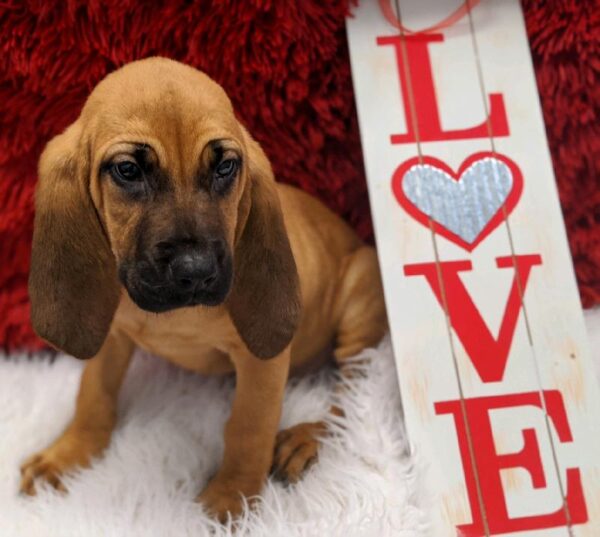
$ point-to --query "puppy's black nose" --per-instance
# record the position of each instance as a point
(193, 269)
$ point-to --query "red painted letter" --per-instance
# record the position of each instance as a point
(489, 463)
(488, 355)
(423, 94)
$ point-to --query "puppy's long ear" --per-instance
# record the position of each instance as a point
(265, 299)
(73, 281)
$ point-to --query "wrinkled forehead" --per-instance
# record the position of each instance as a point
(172, 107)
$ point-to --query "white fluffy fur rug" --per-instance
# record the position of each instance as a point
(169, 441)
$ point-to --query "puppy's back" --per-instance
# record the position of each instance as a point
(310, 224)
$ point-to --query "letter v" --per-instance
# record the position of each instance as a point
(488, 355)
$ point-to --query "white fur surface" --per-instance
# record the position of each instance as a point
(169, 441)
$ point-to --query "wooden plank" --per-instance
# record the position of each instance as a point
(553, 307)
(436, 365)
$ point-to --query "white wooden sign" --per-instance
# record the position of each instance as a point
(498, 387)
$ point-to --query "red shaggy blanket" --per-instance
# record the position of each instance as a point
(285, 65)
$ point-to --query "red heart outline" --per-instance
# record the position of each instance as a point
(510, 202)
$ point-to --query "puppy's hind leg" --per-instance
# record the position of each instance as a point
(89, 432)
(362, 322)
(360, 307)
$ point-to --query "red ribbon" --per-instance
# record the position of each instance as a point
(453, 18)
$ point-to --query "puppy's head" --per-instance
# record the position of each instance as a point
(157, 189)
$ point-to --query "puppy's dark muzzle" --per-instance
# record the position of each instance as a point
(179, 274)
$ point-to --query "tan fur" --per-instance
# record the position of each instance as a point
(289, 309)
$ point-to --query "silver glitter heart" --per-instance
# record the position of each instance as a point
(463, 207)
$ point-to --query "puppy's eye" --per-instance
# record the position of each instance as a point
(224, 175)
(227, 167)
(127, 171)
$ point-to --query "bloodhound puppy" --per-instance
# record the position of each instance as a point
(159, 225)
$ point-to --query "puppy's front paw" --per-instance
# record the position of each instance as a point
(225, 496)
(70, 451)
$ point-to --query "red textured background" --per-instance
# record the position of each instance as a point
(285, 66)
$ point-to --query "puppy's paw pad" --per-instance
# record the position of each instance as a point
(296, 449)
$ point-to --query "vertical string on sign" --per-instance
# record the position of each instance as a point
(470, 4)
(411, 102)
